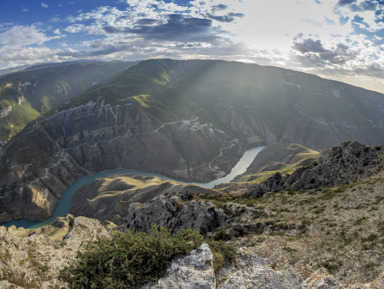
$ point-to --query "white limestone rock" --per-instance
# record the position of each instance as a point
(253, 271)
(194, 271)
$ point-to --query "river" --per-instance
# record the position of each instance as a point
(64, 204)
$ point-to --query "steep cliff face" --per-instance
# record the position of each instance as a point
(188, 119)
(54, 151)
(26, 94)
(348, 162)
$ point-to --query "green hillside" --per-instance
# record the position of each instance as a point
(262, 98)
(283, 158)
(26, 94)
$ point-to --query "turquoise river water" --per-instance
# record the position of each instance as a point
(64, 204)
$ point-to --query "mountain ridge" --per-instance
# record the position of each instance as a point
(188, 119)
(43, 87)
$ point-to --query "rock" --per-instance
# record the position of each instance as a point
(349, 162)
(321, 280)
(378, 283)
(109, 198)
(32, 258)
(7, 285)
(194, 271)
(95, 137)
(171, 212)
(252, 271)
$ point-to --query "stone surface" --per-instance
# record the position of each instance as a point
(173, 212)
(194, 271)
(378, 283)
(321, 280)
(346, 163)
(96, 137)
(253, 271)
(33, 258)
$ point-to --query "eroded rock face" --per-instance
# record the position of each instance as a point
(33, 258)
(172, 212)
(346, 163)
(37, 166)
(253, 271)
(321, 279)
(194, 271)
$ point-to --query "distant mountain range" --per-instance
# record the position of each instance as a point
(188, 119)
(26, 94)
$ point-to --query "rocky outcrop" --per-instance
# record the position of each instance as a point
(110, 198)
(321, 279)
(174, 212)
(33, 258)
(346, 163)
(191, 272)
(252, 271)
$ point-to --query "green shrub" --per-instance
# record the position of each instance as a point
(223, 254)
(128, 260)
(221, 235)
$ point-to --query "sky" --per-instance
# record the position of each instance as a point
(336, 39)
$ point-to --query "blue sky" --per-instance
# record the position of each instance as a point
(338, 39)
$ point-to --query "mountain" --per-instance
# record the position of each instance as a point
(278, 157)
(26, 94)
(328, 235)
(349, 162)
(188, 119)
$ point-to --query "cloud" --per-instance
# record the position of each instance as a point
(44, 5)
(313, 53)
(219, 7)
(230, 17)
(21, 36)
(176, 27)
(24, 9)
(367, 5)
(345, 2)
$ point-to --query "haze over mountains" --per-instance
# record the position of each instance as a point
(188, 119)
(26, 94)
(193, 120)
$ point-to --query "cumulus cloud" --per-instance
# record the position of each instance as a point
(313, 54)
(362, 6)
(44, 5)
(20, 36)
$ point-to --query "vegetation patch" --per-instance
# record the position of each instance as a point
(223, 254)
(129, 260)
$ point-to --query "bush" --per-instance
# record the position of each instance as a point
(223, 254)
(128, 260)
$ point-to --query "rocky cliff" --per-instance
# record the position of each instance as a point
(348, 162)
(53, 152)
(26, 94)
(188, 119)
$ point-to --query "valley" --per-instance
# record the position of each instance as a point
(174, 118)
(303, 201)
